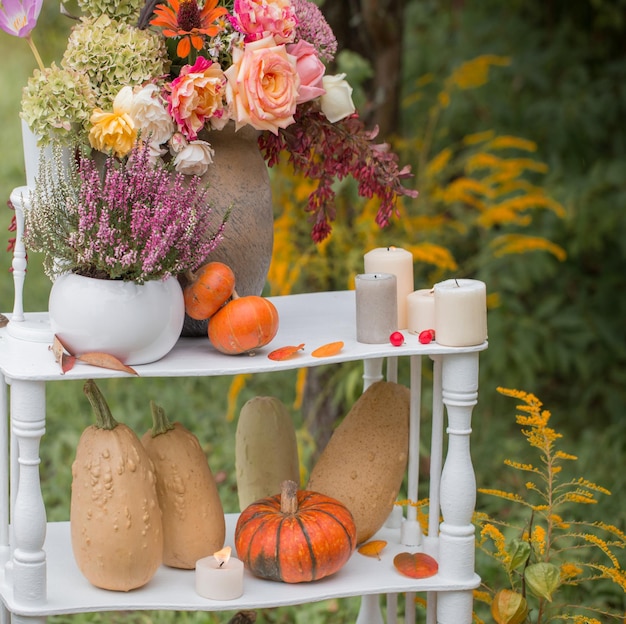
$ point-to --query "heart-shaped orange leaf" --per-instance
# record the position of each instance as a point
(415, 565)
(332, 348)
(284, 353)
(372, 548)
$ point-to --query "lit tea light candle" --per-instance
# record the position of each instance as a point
(376, 307)
(420, 306)
(220, 576)
(398, 262)
(460, 312)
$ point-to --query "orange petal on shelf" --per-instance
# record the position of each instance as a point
(372, 548)
(332, 348)
(415, 565)
(105, 360)
(284, 353)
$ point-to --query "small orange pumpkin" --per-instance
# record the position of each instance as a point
(295, 536)
(243, 324)
(208, 289)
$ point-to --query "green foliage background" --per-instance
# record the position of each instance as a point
(559, 329)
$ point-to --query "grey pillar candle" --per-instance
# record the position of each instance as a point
(376, 307)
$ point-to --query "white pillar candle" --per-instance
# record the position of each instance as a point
(220, 576)
(398, 262)
(420, 308)
(460, 312)
(376, 307)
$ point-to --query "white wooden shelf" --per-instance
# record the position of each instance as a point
(38, 575)
(172, 589)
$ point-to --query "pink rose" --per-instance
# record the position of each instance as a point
(259, 18)
(263, 85)
(197, 95)
(310, 70)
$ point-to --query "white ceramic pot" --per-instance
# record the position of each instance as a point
(136, 323)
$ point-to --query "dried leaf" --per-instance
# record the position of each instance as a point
(415, 565)
(65, 360)
(57, 349)
(372, 548)
(105, 360)
(332, 348)
(284, 353)
(509, 607)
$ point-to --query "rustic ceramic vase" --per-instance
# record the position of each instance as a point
(238, 179)
(137, 323)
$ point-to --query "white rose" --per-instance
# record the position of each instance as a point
(150, 115)
(194, 158)
(337, 102)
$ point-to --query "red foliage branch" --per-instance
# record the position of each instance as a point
(326, 151)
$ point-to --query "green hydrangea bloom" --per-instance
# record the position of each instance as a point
(121, 10)
(57, 104)
(114, 54)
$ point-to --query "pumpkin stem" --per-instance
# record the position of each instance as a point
(104, 418)
(160, 423)
(235, 295)
(289, 497)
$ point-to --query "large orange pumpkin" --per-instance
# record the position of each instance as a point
(208, 289)
(295, 536)
(243, 324)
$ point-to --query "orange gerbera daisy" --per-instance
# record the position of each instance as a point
(185, 19)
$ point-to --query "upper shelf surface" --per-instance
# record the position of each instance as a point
(313, 319)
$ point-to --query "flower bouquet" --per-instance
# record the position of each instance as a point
(169, 74)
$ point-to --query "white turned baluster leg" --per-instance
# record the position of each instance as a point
(458, 488)
(369, 611)
(28, 405)
(411, 532)
(431, 541)
(392, 608)
(372, 372)
(4, 474)
(18, 198)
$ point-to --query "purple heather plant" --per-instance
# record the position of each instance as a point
(131, 220)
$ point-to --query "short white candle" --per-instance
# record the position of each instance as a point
(219, 576)
(376, 307)
(460, 312)
(398, 262)
(420, 306)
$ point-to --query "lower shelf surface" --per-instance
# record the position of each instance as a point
(170, 589)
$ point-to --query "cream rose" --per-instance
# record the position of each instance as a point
(337, 102)
(263, 85)
(194, 158)
(115, 131)
(150, 115)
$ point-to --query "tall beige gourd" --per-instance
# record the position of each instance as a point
(365, 460)
(193, 517)
(115, 519)
(266, 449)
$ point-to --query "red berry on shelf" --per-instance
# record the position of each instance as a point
(426, 336)
(396, 339)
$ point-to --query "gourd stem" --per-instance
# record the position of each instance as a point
(160, 423)
(104, 418)
(289, 497)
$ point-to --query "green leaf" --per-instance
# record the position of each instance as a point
(519, 551)
(542, 579)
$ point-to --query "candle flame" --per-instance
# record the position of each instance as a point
(222, 556)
